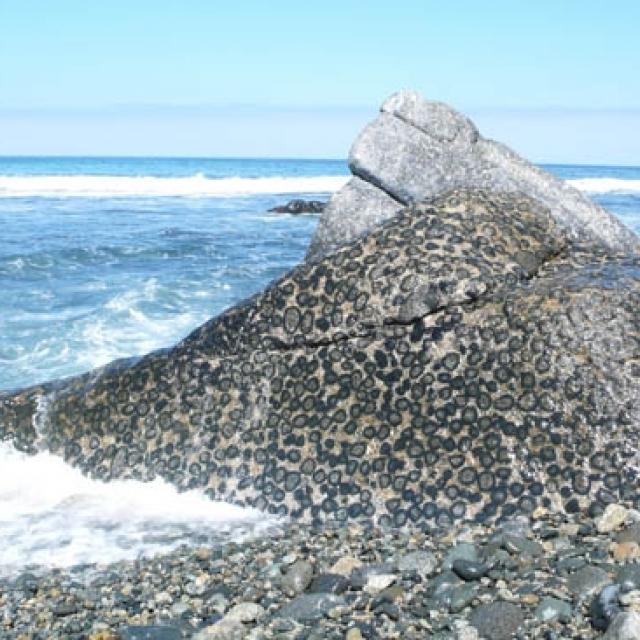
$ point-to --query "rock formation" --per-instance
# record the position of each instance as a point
(417, 149)
(298, 206)
(465, 359)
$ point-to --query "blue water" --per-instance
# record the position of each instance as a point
(110, 257)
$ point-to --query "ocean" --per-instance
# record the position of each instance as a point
(103, 258)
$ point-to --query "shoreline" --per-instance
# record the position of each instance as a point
(523, 578)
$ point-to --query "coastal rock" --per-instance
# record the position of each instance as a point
(417, 149)
(464, 360)
(298, 206)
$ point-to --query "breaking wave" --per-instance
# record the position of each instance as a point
(197, 186)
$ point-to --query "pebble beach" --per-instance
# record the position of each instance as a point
(548, 577)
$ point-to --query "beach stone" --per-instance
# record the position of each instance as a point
(297, 578)
(469, 569)
(549, 609)
(424, 563)
(225, 629)
(605, 606)
(628, 576)
(353, 634)
(361, 575)
(310, 606)
(376, 582)
(614, 516)
(623, 551)
(587, 581)
(149, 632)
(417, 148)
(463, 551)
(497, 620)
(328, 583)
(345, 566)
(625, 626)
(629, 534)
(245, 612)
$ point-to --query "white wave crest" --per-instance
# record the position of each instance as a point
(606, 185)
(89, 186)
(52, 515)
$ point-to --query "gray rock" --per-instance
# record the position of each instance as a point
(586, 581)
(549, 609)
(373, 207)
(360, 576)
(605, 606)
(625, 626)
(469, 569)
(629, 576)
(328, 583)
(297, 577)
(149, 632)
(497, 620)
(418, 148)
(462, 551)
(245, 612)
(310, 606)
(424, 563)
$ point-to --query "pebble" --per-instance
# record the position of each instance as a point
(625, 626)
(497, 620)
(245, 612)
(423, 563)
(553, 609)
(614, 516)
(297, 578)
(587, 581)
(469, 569)
(311, 606)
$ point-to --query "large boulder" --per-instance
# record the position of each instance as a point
(416, 149)
(465, 359)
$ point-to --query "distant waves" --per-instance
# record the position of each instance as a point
(199, 185)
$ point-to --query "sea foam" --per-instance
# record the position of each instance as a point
(92, 186)
(606, 185)
(200, 186)
(53, 516)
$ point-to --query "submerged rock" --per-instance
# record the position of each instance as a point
(298, 206)
(416, 149)
(464, 360)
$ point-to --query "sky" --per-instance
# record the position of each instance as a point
(557, 80)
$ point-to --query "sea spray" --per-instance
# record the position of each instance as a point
(51, 515)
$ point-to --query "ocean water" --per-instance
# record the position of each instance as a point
(104, 258)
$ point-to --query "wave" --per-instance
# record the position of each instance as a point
(606, 185)
(92, 186)
(52, 515)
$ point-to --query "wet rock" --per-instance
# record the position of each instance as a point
(628, 576)
(298, 206)
(226, 629)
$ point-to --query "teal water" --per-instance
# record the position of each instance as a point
(104, 258)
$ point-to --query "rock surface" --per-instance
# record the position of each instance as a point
(464, 360)
(298, 206)
(417, 149)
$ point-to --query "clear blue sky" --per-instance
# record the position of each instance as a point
(556, 79)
